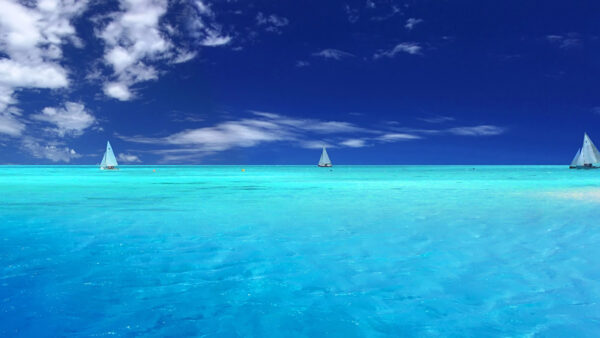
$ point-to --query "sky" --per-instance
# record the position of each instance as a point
(271, 82)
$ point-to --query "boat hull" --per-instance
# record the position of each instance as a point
(583, 167)
(324, 166)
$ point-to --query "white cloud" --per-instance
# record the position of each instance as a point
(53, 151)
(404, 47)
(331, 53)
(262, 128)
(72, 119)
(567, 41)
(354, 143)
(301, 64)
(31, 39)
(481, 130)
(214, 39)
(133, 40)
(351, 14)
(129, 158)
(10, 124)
(393, 137)
(118, 90)
(412, 22)
(272, 23)
(436, 119)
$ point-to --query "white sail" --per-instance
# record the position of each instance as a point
(103, 163)
(589, 152)
(324, 160)
(578, 161)
(109, 159)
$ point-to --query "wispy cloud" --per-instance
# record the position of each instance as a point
(354, 143)
(301, 64)
(411, 48)
(352, 14)
(412, 22)
(272, 23)
(436, 119)
(334, 54)
(567, 41)
(128, 158)
(481, 130)
(264, 127)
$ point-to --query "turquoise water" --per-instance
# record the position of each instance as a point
(296, 251)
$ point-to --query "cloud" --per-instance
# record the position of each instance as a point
(72, 119)
(128, 158)
(301, 64)
(53, 151)
(568, 41)
(272, 23)
(214, 39)
(405, 47)
(354, 143)
(335, 54)
(394, 137)
(261, 127)
(481, 130)
(203, 27)
(412, 22)
(351, 14)
(436, 119)
(133, 40)
(31, 38)
(10, 124)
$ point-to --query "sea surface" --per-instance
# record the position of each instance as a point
(299, 251)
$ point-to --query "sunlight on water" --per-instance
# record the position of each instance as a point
(299, 251)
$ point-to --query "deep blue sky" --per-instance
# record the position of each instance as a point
(269, 82)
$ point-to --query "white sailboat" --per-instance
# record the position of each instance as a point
(109, 162)
(324, 161)
(587, 156)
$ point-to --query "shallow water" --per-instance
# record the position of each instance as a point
(292, 251)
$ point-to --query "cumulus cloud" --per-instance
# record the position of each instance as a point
(53, 151)
(31, 38)
(412, 22)
(133, 40)
(72, 119)
(404, 47)
(331, 53)
(129, 158)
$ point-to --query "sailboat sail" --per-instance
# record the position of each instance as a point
(324, 160)
(587, 155)
(103, 163)
(109, 160)
(590, 151)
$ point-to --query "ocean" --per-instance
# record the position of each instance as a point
(299, 251)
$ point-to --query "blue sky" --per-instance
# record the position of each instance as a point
(270, 82)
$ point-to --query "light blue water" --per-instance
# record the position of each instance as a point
(299, 251)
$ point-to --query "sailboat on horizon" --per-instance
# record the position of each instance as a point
(109, 162)
(586, 156)
(324, 161)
